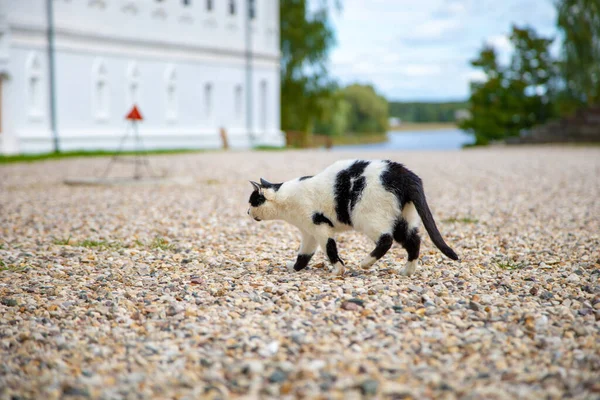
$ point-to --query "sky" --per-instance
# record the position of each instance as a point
(420, 49)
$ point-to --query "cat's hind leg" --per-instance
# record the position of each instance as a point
(307, 250)
(408, 237)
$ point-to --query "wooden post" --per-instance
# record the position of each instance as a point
(328, 142)
(223, 133)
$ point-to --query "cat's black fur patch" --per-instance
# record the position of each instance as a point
(256, 199)
(268, 185)
(348, 187)
(383, 245)
(319, 218)
(408, 187)
(302, 261)
(358, 186)
(303, 178)
(332, 252)
(400, 181)
(409, 239)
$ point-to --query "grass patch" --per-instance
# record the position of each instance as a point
(63, 241)
(100, 244)
(12, 267)
(93, 243)
(269, 148)
(88, 243)
(162, 244)
(509, 265)
(463, 220)
(99, 153)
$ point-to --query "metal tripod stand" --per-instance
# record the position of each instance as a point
(140, 156)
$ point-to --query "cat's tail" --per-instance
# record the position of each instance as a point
(418, 199)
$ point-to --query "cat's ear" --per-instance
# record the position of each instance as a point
(265, 183)
(255, 185)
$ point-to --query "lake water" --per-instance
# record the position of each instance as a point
(443, 139)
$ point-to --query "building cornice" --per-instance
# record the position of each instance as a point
(73, 40)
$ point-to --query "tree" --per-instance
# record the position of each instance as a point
(514, 97)
(579, 22)
(369, 111)
(335, 119)
(306, 39)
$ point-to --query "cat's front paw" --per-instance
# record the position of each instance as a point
(290, 266)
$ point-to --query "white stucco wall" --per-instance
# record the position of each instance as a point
(171, 52)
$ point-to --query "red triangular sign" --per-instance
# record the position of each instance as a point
(134, 114)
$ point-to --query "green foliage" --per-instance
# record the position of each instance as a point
(368, 110)
(162, 244)
(513, 97)
(89, 243)
(62, 241)
(534, 87)
(579, 21)
(425, 111)
(306, 38)
(356, 109)
(81, 153)
(463, 220)
(335, 119)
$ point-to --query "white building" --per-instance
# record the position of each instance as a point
(183, 62)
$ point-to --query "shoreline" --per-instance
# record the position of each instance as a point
(423, 126)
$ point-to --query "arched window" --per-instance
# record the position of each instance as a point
(208, 100)
(133, 84)
(263, 106)
(171, 93)
(100, 91)
(238, 102)
(34, 85)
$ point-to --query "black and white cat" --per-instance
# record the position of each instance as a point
(381, 199)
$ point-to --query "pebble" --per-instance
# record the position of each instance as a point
(277, 377)
(9, 302)
(350, 306)
(369, 387)
(188, 298)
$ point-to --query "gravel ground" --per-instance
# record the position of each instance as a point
(174, 292)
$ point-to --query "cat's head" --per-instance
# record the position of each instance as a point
(263, 200)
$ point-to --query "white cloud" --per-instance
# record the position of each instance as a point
(434, 29)
(419, 70)
(417, 50)
(503, 47)
(476, 76)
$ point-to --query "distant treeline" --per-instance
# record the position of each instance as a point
(425, 112)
